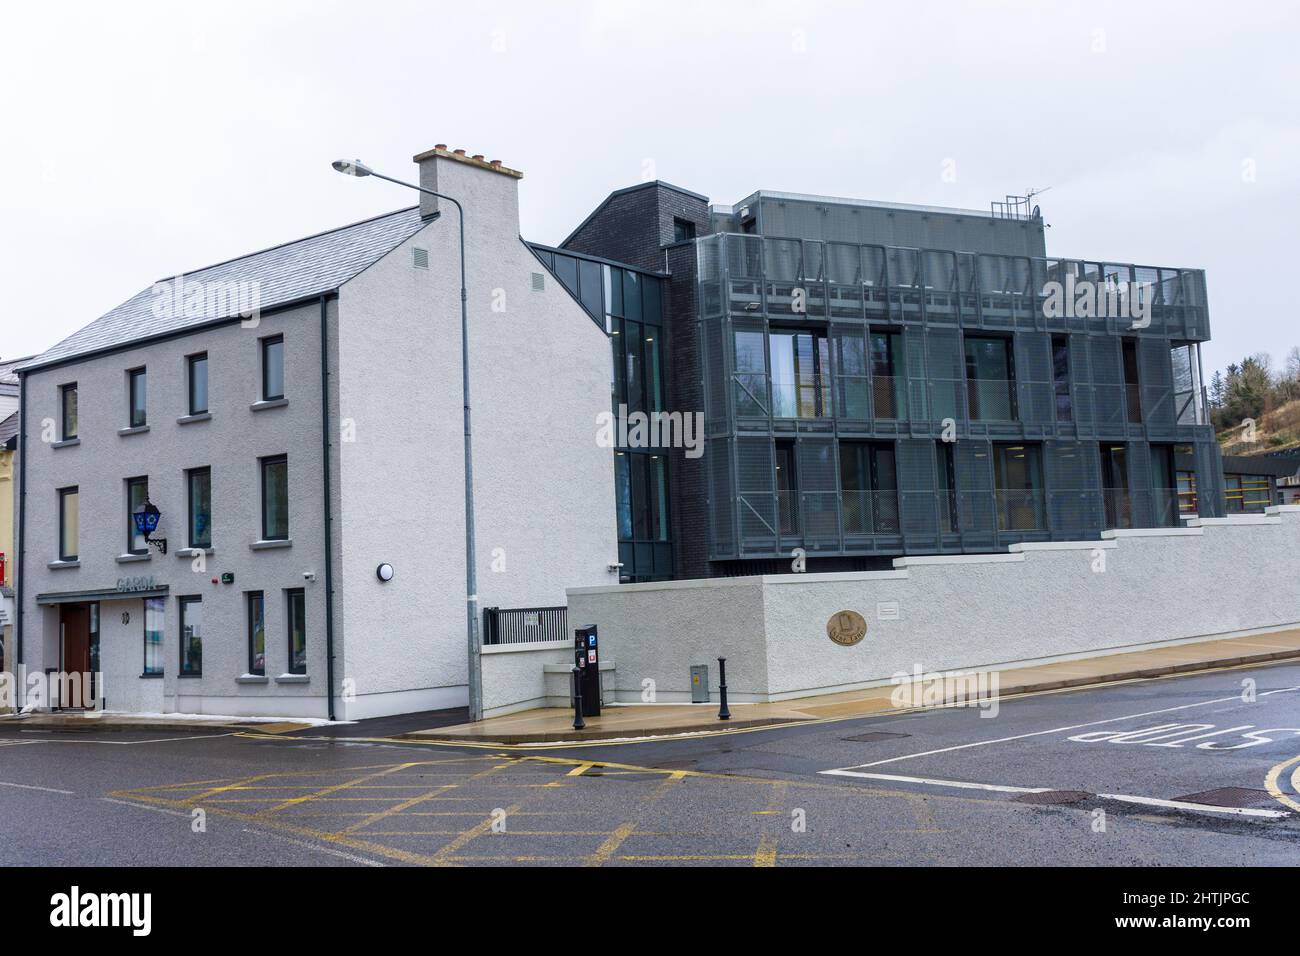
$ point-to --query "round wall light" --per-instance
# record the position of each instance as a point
(384, 572)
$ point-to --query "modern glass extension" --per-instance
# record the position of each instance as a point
(628, 304)
(873, 400)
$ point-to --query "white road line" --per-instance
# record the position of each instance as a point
(124, 743)
(321, 849)
(1059, 730)
(27, 786)
(1002, 788)
(960, 784)
(1198, 807)
(145, 806)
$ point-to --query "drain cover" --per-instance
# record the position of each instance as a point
(1053, 797)
(874, 736)
(1229, 797)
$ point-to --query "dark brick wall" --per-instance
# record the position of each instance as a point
(634, 226)
(688, 481)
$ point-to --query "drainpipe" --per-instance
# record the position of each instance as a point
(329, 503)
(22, 514)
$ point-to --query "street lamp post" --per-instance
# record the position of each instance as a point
(359, 169)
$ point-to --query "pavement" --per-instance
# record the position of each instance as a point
(1189, 769)
(551, 725)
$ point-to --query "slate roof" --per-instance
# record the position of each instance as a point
(287, 273)
(8, 429)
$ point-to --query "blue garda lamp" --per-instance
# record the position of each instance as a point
(146, 523)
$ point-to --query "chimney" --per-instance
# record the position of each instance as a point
(473, 181)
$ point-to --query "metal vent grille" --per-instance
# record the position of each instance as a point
(539, 282)
(420, 257)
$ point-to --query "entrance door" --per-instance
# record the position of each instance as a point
(74, 626)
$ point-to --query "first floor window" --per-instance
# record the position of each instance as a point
(273, 368)
(297, 631)
(69, 523)
(137, 389)
(191, 636)
(275, 498)
(256, 633)
(200, 507)
(153, 635)
(68, 411)
(137, 496)
(198, 376)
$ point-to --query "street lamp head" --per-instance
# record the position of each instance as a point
(353, 167)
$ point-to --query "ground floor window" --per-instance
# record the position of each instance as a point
(1187, 503)
(869, 486)
(191, 609)
(153, 636)
(1019, 474)
(297, 631)
(256, 633)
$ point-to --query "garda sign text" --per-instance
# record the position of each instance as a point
(129, 585)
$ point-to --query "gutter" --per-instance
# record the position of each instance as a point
(329, 523)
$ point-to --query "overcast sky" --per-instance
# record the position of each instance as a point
(144, 139)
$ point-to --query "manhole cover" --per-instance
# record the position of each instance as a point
(873, 736)
(1229, 797)
(1053, 797)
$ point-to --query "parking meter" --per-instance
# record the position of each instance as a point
(586, 655)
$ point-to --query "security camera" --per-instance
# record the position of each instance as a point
(309, 576)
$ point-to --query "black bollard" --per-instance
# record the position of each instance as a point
(578, 722)
(724, 713)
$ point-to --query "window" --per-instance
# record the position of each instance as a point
(197, 373)
(153, 636)
(68, 411)
(275, 498)
(1019, 475)
(1114, 486)
(273, 368)
(191, 636)
(869, 487)
(1061, 378)
(683, 230)
(801, 380)
(1247, 494)
(1132, 386)
(888, 383)
(787, 488)
(137, 397)
(256, 633)
(1164, 490)
(949, 515)
(137, 495)
(751, 374)
(199, 487)
(990, 379)
(297, 631)
(69, 523)
(1187, 503)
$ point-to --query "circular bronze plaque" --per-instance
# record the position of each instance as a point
(846, 628)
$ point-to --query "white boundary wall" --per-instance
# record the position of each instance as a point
(1214, 578)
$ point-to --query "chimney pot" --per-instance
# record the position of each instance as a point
(495, 162)
(459, 152)
(478, 156)
(440, 146)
